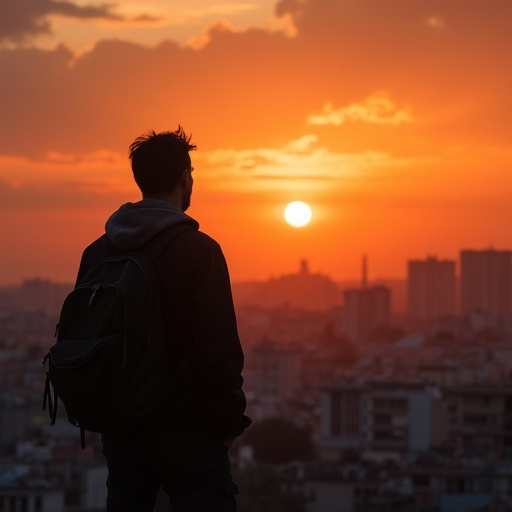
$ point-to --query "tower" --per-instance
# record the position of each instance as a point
(486, 282)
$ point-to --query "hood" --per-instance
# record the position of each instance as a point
(134, 224)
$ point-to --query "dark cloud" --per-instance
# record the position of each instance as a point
(23, 19)
(257, 88)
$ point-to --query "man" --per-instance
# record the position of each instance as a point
(185, 452)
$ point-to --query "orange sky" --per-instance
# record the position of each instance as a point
(393, 120)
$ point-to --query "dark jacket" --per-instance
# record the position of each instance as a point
(198, 314)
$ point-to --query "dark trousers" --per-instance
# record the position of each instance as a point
(195, 475)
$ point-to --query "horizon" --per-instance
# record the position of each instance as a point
(342, 281)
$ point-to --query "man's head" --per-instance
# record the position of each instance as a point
(161, 164)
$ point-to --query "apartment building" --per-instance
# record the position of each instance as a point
(379, 417)
(431, 288)
(365, 311)
(486, 282)
(480, 420)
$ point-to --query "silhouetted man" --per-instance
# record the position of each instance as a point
(185, 452)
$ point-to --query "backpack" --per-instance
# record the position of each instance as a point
(109, 365)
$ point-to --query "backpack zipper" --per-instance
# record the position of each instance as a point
(95, 289)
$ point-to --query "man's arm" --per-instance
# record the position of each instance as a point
(219, 352)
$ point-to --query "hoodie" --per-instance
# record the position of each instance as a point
(198, 318)
(134, 224)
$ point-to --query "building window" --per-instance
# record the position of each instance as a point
(475, 419)
(382, 420)
(391, 404)
(457, 485)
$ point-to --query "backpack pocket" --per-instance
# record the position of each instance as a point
(86, 374)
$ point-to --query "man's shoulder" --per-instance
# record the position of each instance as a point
(199, 240)
(95, 247)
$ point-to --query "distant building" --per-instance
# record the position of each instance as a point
(13, 424)
(365, 311)
(393, 417)
(274, 372)
(24, 487)
(431, 287)
(377, 417)
(305, 289)
(486, 282)
(41, 497)
(480, 420)
(39, 295)
(441, 484)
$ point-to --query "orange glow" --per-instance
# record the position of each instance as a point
(394, 128)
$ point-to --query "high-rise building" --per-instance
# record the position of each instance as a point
(486, 282)
(365, 311)
(431, 288)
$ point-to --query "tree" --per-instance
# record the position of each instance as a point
(278, 441)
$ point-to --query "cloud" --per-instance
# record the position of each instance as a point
(377, 109)
(215, 29)
(304, 161)
(288, 7)
(248, 96)
(256, 87)
(104, 177)
(146, 18)
(22, 20)
(64, 180)
(51, 197)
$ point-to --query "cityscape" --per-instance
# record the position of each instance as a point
(368, 396)
(352, 158)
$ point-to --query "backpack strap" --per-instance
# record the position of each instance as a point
(47, 395)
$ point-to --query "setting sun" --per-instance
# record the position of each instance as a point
(297, 214)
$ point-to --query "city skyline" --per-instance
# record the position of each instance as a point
(479, 281)
(391, 120)
(300, 265)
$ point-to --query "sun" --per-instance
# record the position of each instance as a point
(297, 214)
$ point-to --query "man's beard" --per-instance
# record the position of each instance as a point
(185, 200)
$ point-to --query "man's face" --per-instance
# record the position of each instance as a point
(187, 193)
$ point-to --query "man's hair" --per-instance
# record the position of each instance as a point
(160, 159)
